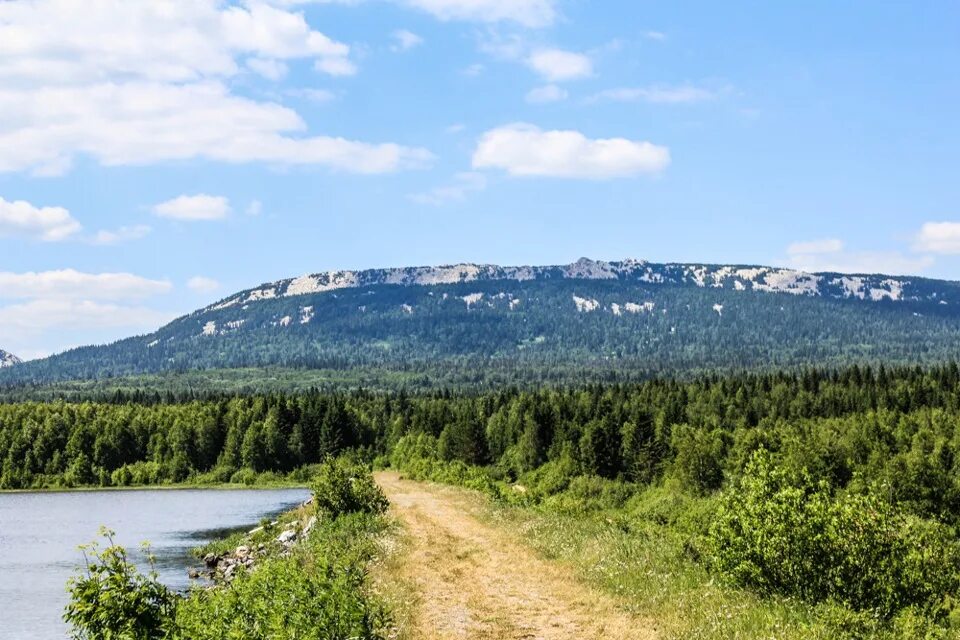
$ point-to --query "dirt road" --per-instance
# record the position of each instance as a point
(470, 579)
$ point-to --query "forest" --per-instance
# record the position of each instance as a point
(526, 333)
(838, 465)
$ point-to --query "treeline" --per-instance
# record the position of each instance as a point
(857, 429)
(127, 443)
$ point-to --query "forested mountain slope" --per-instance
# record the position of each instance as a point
(630, 317)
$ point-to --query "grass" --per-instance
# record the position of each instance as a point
(645, 556)
(388, 581)
(649, 570)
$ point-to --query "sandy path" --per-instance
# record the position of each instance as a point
(472, 580)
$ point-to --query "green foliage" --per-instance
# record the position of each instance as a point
(793, 536)
(342, 487)
(318, 593)
(699, 458)
(591, 493)
(112, 600)
(857, 504)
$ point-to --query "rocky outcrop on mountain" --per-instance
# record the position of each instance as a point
(739, 278)
(8, 359)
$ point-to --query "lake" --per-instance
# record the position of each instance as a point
(40, 532)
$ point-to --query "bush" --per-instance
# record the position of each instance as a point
(789, 535)
(699, 458)
(217, 475)
(318, 593)
(551, 478)
(591, 493)
(341, 487)
(245, 476)
(111, 599)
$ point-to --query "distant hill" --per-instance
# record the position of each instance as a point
(8, 359)
(590, 319)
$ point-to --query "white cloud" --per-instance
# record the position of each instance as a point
(526, 150)
(146, 82)
(463, 184)
(529, 13)
(201, 284)
(938, 237)
(268, 68)
(659, 36)
(255, 208)
(405, 40)
(545, 94)
(473, 70)
(886, 262)
(503, 46)
(72, 284)
(556, 65)
(70, 42)
(147, 123)
(52, 310)
(812, 247)
(335, 66)
(123, 234)
(830, 255)
(79, 314)
(318, 96)
(45, 326)
(198, 207)
(660, 94)
(49, 224)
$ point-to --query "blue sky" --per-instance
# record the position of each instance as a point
(156, 156)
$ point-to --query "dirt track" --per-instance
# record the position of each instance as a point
(472, 580)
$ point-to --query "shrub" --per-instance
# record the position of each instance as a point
(413, 448)
(245, 476)
(114, 600)
(217, 475)
(591, 493)
(341, 487)
(552, 477)
(699, 458)
(789, 535)
(316, 594)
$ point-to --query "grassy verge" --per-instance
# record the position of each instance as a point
(650, 568)
(317, 588)
(648, 547)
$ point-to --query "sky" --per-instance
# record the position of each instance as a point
(156, 156)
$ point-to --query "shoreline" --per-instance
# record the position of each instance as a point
(161, 487)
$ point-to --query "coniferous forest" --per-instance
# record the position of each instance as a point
(852, 427)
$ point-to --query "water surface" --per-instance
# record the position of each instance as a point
(40, 532)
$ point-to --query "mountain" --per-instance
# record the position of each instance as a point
(8, 359)
(473, 323)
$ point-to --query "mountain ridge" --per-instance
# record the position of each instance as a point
(742, 277)
(559, 323)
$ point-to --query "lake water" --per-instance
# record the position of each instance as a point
(40, 532)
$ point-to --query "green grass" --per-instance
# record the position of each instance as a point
(651, 567)
(648, 549)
